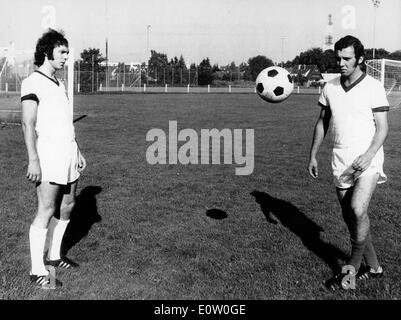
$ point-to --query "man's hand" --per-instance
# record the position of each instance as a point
(362, 162)
(81, 162)
(312, 168)
(34, 174)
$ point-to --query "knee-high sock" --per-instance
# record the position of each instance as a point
(56, 239)
(358, 248)
(369, 254)
(37, 238)
(50, 230)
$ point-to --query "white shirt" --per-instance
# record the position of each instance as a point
(352, 109)
(55, 115)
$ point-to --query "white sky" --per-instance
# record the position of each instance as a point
(223, 30)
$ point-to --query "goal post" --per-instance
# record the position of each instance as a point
(388, 72)
(15, 65)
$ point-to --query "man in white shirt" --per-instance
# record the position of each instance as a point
(55, 162)
(357, 106)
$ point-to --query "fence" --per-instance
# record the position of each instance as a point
(91, 82)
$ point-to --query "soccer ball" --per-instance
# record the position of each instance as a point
(274, 84)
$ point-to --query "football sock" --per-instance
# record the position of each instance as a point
(50, 230)
(37, 238)
(57, 238)
(357, 251)
(369, 254)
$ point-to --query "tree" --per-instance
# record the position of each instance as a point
(89, 57)
(205, 72)
(396, 55)
(181, 63)
(325, 60)
(379, 54)
(91, 70)
(328, 62)
(312, 56)
(257, 64)
(157, 64)
(178, 70)
(194, 74)
(157, 60)
(244, 69)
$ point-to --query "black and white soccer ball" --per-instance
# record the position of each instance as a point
(274, 84)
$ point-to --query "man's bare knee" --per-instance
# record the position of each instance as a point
(67, 206)
(47, 206)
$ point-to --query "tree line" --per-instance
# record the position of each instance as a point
(159, 69)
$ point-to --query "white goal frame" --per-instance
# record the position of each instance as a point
(10, 54)
(388, 72)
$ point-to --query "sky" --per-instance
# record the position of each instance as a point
(222, 30)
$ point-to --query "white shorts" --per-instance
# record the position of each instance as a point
(58, 160)
(341, 163)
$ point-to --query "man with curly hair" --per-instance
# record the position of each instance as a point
(55, 161)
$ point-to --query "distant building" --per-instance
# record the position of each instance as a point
(305, 74)
(328, 77)
(110, 64)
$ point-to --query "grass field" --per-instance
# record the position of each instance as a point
(197, 231)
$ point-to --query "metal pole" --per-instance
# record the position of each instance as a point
(107, 46)
(93, 73)
(282, 50)
(376, 4)
(147, 40)
(124, 72)
(79, 75)
(147, 53)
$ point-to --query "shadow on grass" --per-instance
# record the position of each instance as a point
(216, 214)
(82, 218)
(298, 223)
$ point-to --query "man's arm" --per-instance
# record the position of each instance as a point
(81, 159)
(320, 131)
(29, 113)
(362, 162)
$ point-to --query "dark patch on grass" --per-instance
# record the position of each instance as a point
(84, 215)
(298, 223)
(216, 214)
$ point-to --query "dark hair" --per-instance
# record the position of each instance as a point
(350, 41)
(45, 45)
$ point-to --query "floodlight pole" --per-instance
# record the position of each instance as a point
(107, 46)
(147, 53)
(282, 50)
(147, 39)
(93, 72)
(376, 4)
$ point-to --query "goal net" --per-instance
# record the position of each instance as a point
(388, 72)
(16, 65)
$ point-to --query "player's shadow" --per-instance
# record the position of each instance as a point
(298, 223)
(82, 218)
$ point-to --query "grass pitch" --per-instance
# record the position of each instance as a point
(197, 231)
